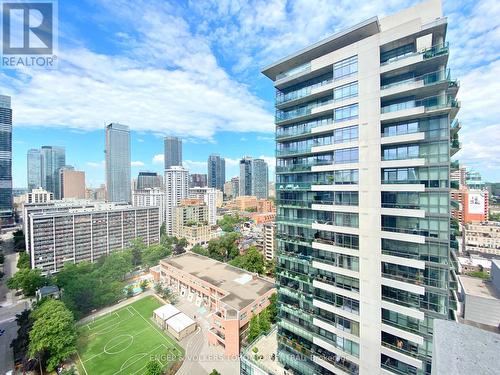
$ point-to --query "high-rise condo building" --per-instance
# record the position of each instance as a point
(209, 197)
(216, 167)
(235, 187)
(118, 185)
(245, 183)
(173, 152)
(5, 159)
(260, 179)
(254, 177)
(72, 183)
(52, 159)
(365, 130)
(34, 169)
(146, 180)
(150, 197)
(176, 189)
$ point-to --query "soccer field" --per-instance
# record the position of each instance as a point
(123, 342)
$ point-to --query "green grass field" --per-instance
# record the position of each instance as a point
(123, 342)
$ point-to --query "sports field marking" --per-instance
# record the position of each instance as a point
(99, 325)
(144, 355)
(128, 338)
(108, 328)
(83, 366)
(161, 333)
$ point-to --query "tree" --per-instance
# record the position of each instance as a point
(137, 247)
(154, 253)
(215, 372)
(252, 261)
(273, 308)
(130, 291)
(153, 367)
(23, 261)
(53, 336)
(253, 329)
(29, 280)
(144, 284)
(264, 321)
(198, 249)
(21, 343)
(19, 243)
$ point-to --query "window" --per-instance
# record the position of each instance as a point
(346, 113)
(345, 134)
(347, 91)
(347, 155)
(345, 67)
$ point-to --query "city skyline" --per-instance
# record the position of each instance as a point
(210, 127)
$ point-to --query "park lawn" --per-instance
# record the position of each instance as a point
(123, 341)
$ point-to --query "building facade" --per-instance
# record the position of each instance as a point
(118, 183)
(39, 196)
(147, 180)
(34, 169)
(216, 167)
(172, 152)
(176, 189)
(52, 160)
(72, 183)
(197, 180)
(364, 138)
(269, 233)
(482, 238)
(190, 221)
(6, 208)
(58, 235)
(260, 179)
(209, 196)
(245, 180)
(150, 197)
(235, 181)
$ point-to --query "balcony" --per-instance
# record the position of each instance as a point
(301, 69)
(454, 185)
(293, 186)
(296, 221)
(435, 55)
(307, 109)
(455, 146)
(294, 203)
(455, 126)
(454, 165)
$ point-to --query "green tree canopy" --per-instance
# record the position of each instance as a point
(28, 280)
(254, 328)
(153, 367)
(252, 261)
(23, 261)
(53, 336)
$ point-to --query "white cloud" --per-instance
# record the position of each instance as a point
(159, 159)
(93, 164)
(137, 164)
(195, 166)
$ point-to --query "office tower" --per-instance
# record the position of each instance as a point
(362, 188)
(150, 197)
(147, 180)
(72, 183)
(245, 182)
(235, 181)
(118, 185)
(80, 231)
(176, 188)
(52, 160)
(34, 169)
(260, 178)
(210, 197)
(216, 167)
(173, 152)
(5, 159)
(197, 180)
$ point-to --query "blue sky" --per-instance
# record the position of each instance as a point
(192, 69)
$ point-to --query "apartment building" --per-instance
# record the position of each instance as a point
(150, 197)
(482, 238)
(191, 221)
(210, 197)
(269, 233)
(231, 294)
(176, 189)
(85, 231)
(72, 183)
(39, 196)
(364, 139)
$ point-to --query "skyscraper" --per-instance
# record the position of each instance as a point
(5, 159)
(197, 180)
(173, 152)
(216, 167)
(260, 178)
(52, 159)
(147, 180)
(176, 188)
(245, 187)
(118, 185)
(34, 168)
(363, 167)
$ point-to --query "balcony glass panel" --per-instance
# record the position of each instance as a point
(303, 89)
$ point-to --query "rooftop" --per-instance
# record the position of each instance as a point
(475, 286)
(243, 287)
(267, 346)
(166, 311)
(460, 349)
(180, 322)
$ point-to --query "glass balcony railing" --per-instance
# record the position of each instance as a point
(425, 80)
(296, 151)
(430, 103)
(302, 92)
(300, 186)
(302, 203)
(302, 166)
(454, 165)
(294, 220)
(301, 111)
(454, 185)
(428, 53)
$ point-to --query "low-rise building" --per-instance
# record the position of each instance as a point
(265, 206)
(85, 231)
(172, 320)
(482, 238)
(232, 295)
(269, 234)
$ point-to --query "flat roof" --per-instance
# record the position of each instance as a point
(477, 287)
(460, 349)
(166, 311)
(180, 322)
(243, 287)
(338, 40)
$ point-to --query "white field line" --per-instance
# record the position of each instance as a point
(83, 366)
(97, 326)
(144, 355)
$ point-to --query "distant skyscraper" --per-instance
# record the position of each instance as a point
(235, 182)
(118, 183)
(34, 169)
(245, 187)
(216, 167)
(72, 183)
(173, 152)
(176, 188)
(52, 160)
(5, 158)
(147, 180)
(197, 180)
(260, 179)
